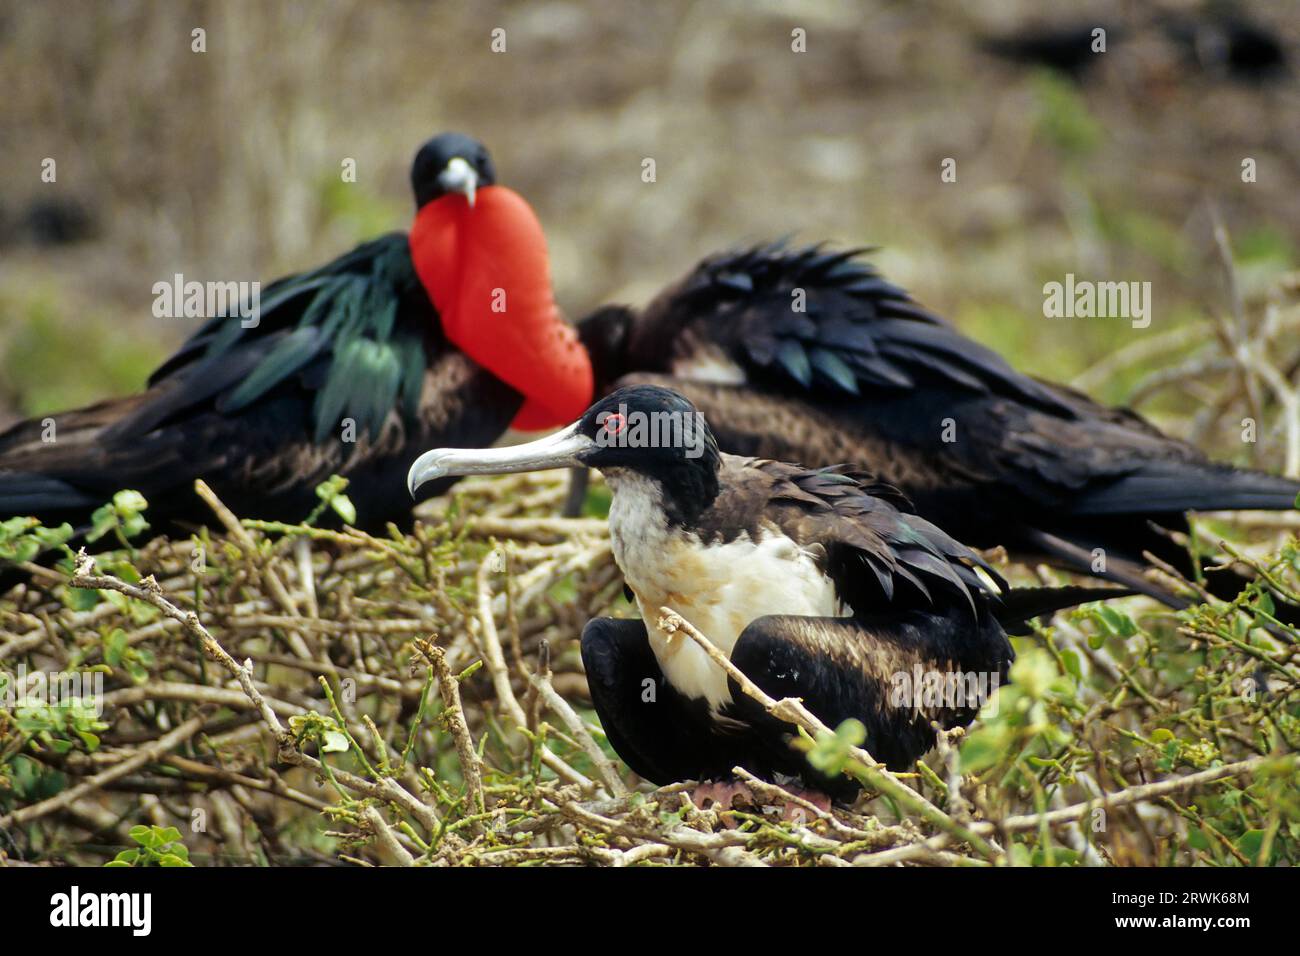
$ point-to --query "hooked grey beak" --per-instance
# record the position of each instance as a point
(563, 449)
(459, 177)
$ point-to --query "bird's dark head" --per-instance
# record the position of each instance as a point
(451, 163)
(641, 430)
(647, 429)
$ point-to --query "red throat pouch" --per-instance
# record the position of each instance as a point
(487, 272)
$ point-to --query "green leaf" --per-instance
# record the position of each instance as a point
(344, 508)
(1249, 844)
(124, 570)
(1071, 660)
(115, 647)
(137, 672)
(80, 599)
(983, 748)
(1119, 624)
(123, 512)
(1264, 601)
(128, 501)
(331, 487)
(832, 751)
(1034, 672)
(333, 741)
(102, 521)
(24, 549)
(53, 537)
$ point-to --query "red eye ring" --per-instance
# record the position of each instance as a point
(615, 423)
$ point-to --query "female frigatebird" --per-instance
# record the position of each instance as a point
(809, 355)
(447, 335)
(818, 584)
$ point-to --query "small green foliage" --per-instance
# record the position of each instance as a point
(362, 213)
(123, 516)
(59, 726)
(22, 539)
(1265, 242)
(1016, 723)
(79, 599)
(1146, 235)
(330, 493)
(137, 661)
(159, 846)
(322, 728)
(831, 752)
(1111, 622)
(26, 780)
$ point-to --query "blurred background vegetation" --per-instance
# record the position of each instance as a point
(226, 164)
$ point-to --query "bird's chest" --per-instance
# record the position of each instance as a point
(718, 587)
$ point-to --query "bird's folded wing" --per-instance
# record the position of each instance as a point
(826, 323)
(352, 333)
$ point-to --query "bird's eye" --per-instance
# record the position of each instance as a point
(615, 423)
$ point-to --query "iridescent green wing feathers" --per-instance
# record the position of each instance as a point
(352, 332)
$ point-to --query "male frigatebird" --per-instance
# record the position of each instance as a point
(447, 335)
(809, 355)
(818, 584)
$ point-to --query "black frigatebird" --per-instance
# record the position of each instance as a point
(447, 335)
(818, 584)
(810, 355)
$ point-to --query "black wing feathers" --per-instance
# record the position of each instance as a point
(259, 408)
(332, 331)
(827, 322)
(877, 552)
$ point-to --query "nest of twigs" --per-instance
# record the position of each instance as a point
(286, 694)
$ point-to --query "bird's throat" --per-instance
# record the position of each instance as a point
(486, 270)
